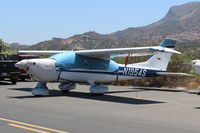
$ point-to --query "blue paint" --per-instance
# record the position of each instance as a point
(64, 60)
(71, 60)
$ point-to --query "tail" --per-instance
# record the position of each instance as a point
(160, 61)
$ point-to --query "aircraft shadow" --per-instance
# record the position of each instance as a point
(157, 89)
(21, 89)
(112, 92)
(196, 107)
(140, 89)
(84, 95)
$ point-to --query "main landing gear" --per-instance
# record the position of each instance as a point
(41, 89)
(98, 89)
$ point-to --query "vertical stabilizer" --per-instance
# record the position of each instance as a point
(160, 61)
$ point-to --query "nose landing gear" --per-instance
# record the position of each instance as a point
(40, 89)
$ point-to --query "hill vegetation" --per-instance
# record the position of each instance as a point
(181, 22)
(87, 40)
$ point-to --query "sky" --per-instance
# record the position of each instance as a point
(32, 21)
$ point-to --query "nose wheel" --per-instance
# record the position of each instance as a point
(40, 89)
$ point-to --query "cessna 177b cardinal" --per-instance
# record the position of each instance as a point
(96, 66)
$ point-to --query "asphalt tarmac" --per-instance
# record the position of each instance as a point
(121, 110)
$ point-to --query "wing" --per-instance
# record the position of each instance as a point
(107, 54)
(137, 51)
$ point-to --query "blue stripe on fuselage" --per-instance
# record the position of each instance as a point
(122, 71)
(137, 72)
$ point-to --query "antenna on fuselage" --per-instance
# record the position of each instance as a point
(127, 59)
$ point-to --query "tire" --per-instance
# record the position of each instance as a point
(13, 81)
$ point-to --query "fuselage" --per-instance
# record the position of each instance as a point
(69, 66)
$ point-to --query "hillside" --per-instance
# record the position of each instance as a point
(17, 46)
(87, 40)
(181, 22)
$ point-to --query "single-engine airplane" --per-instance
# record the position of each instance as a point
(95, 66)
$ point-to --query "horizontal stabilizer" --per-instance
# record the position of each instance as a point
(173, 74)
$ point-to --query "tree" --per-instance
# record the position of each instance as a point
(3, 46)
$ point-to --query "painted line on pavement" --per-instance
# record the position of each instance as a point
(28, 128)
(31, 125)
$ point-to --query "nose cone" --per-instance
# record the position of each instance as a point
(21, 64)
(24, 64)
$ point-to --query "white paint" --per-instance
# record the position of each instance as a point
(86, 77)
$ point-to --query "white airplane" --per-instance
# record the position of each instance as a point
(96, 66)
(196, 65)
